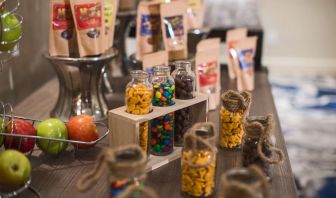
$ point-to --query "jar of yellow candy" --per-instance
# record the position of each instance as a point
(198, 164)
(248, 182)
(138, 99)
(235, 107)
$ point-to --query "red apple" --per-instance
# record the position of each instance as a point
(82, 128)
(24, 128)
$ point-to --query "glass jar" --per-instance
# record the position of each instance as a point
(183, 123)
(198, 164)
(127, 168)
(205, 130)
(164, 86)
(235, 106)
(257, 148)
(138, 192)
(184, 80)
(139, 94)
(244, 183)
(162, 134)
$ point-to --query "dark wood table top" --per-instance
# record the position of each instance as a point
(56, 177)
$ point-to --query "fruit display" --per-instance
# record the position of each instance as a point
(52, 128)
(11, 31)
(15, 168)
(20, 127)
(82, 128)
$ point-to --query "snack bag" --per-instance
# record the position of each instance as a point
(89, 22)
(61, 29)
(154, 59)
(110, 13)
(208, 70)
(232, 37)
(148, 31)
(195, 14)
(243, 56)
(174, 29)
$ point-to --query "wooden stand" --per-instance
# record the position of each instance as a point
(124, 127)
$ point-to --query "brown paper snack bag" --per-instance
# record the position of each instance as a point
(149, 28)
(243, 55)
(195, 14)
(90, 28)
(61, 28)
(174, 29)
(154, 59)
(232, 37)
(208, 70)
(110, 13)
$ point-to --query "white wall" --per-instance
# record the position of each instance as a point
(299, 34)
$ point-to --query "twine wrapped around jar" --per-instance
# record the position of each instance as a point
(124, 162)
(234, 101)
(138, 192)
(260, 128)
(235, 107)
(198, 166)
(244, 183)
(205, 130)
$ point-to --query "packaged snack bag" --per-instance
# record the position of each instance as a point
(149, 28)
(195, 14)
(243, 55)
(110, 13)
(174, 29)
(89, 22)
(61, 29)
(232, 37)
(154, 59)
(208, 70)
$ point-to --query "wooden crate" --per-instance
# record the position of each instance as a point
(124, 127)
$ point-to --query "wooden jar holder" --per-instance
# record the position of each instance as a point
(124, 127)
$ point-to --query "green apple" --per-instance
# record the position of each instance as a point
(12, 34)
(15, 168)
(52, 128)
(2, 130)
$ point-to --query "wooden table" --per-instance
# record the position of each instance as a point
(56, 177)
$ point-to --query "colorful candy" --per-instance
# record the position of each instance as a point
(119, 186)
(198, 181)
(162, 135)
(138, 99)
(231, 129)
(164, 94)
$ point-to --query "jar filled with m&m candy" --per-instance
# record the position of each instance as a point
(164, 87)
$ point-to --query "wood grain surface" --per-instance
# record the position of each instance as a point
(56, 177)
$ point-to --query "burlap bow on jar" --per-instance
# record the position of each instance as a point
(257, 147)
(235, 107)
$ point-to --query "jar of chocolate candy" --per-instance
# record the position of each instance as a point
(139, 94)
(164, 86)
(184, 80)
(183, 123)
(235, 107)
(257, 148)
(198, 164)
(248, 182)
(126, 167)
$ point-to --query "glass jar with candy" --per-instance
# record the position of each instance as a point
(162, 128)
(126, 168)
(139, 94)
(198, 164)
(184, 80)
(164, 86)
